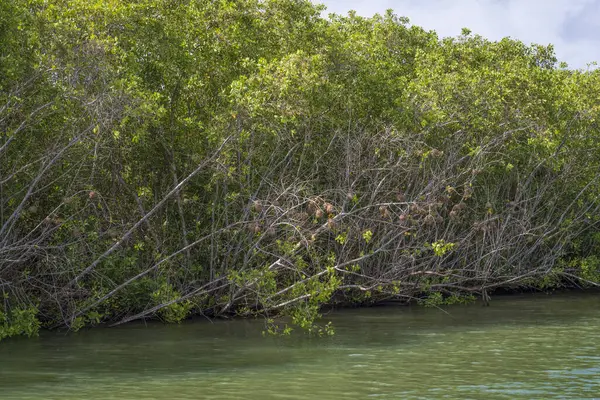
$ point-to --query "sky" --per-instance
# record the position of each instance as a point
(572, 26)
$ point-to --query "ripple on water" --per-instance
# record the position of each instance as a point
(517, 349)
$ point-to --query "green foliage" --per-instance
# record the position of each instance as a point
(176, 310)
(342, 238)
(19, 321)
(590, 269)
(440, 247)
(436, 299)
(274, 329)
(332, 155)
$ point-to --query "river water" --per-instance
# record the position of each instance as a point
(524, 347)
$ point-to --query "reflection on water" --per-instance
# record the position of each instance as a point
(519, 348)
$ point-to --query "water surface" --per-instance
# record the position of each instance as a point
(525, 347)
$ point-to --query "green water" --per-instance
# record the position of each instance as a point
(530, 347)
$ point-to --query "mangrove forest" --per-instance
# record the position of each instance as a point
(164, 159)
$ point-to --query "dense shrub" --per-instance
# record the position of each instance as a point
(164, 159)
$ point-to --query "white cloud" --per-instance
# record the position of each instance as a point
(572, 26)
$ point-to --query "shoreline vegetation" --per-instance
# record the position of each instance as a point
(166, 159)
